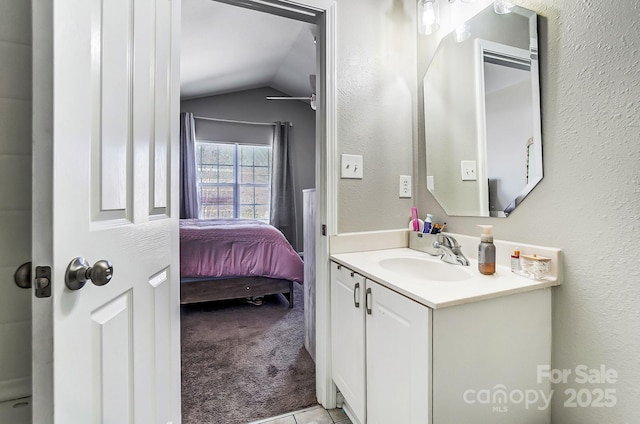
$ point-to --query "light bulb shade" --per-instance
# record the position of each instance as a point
(428, 16)
(502, 7)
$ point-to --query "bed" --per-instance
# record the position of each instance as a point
(224, 259)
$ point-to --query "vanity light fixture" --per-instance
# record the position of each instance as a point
(502, 7)
(429, 19)
(428, 16)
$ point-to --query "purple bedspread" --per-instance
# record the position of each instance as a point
(236, 247)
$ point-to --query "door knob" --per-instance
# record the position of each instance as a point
(79, 271)
(22, 276)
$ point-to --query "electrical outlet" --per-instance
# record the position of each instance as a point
(468, 169)
(405, 186)
(351, 166)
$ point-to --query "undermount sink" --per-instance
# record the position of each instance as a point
(425, 269)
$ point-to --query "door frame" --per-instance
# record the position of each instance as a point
(323, 14)
(42, 201)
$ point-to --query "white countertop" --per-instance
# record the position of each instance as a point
(438, 294)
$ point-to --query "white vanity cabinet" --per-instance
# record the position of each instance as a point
(380, 350)
(347, 337)
(396, 360)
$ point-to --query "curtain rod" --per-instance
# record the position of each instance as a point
(233, 121)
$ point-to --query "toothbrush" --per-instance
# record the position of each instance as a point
(414, 219)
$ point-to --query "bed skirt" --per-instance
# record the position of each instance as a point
(194, 290)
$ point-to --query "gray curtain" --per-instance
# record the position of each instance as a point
(283, 211)
(189, 204)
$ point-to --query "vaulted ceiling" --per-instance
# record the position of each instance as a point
(227, 48)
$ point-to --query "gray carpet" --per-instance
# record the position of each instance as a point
(242, 362)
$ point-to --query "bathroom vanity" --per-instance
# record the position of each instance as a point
(416, 340)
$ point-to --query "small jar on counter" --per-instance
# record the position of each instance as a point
(534, 266)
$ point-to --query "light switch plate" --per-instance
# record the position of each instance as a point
(351, 166)
(469, 170)
(430, 185)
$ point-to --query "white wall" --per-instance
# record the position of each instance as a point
(452, 97)
(376, 115)
(509, 127)
(15, 196)
(251, 105)
(588, 203)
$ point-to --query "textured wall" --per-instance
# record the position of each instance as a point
(376, 88)
(15, 196)
(589, 200)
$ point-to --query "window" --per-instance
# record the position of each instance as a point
(234, 180)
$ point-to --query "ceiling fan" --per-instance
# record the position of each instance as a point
(311, 98)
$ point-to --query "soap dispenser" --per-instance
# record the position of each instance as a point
(486, 251)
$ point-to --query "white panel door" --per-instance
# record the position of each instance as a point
(398, 358)
(105, 169)
(347, 335)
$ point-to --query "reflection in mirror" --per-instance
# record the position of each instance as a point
(482, 110)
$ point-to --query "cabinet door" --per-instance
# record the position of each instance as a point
(496, 347)
(398, 358)
(347, 335)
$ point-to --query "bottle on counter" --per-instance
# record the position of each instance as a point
(486, 251)
(515, 261)
(427, 223)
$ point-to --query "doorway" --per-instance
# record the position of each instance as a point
(196, 101)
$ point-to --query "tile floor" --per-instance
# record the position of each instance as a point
(19, 412)
(313, 415)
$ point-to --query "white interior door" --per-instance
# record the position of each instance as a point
(105, 188)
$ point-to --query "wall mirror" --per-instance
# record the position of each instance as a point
(482, 115)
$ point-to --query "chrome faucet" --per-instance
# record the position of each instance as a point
(451, 252)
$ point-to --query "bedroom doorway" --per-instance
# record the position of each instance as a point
(319, 14)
